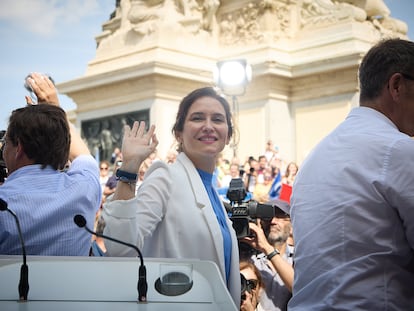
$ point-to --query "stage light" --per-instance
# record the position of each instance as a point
(232, 76)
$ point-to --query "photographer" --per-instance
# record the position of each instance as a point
(275, 261)
(251, 286)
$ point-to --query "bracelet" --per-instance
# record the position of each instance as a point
(273, 254)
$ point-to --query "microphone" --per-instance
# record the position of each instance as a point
(24, 270)
(142, 286)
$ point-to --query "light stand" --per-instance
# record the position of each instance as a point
(232, 77)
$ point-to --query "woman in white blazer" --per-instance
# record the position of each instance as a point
(176, 212)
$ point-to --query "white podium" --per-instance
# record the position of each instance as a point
(108, 283)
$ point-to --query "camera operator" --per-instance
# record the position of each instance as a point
(275, 260)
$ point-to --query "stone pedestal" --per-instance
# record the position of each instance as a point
(304, 55)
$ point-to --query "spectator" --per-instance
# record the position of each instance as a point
(261, 190)
(103, 173)
(251, 174)
(353, 197)
(262, 167)
(290, 174)
(232, 173)
(177, 212)
(275, 259)
(270, 151)
(277, 163)
(39, 141)
(252, 287)
(116, 155)
(112, 181)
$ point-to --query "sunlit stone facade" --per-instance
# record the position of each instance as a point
(304, 55)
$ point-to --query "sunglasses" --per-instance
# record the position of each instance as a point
(251, 284)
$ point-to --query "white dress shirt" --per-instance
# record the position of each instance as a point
(353, 219)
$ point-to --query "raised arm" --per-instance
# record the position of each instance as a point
(260, 242)
(137, 145)
(46, 93)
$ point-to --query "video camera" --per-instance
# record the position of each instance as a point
(241, 213)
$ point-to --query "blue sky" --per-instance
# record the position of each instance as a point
(49, 36)
(57, 37)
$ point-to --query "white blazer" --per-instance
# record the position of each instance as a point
(172, 217)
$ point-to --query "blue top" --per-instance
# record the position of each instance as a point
(96, 250)
(221, 217)
(45, 201)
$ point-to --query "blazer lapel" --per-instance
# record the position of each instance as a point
(203, 202)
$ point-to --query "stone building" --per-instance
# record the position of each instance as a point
(304, 56)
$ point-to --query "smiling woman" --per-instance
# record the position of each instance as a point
(171, 196)
(203, 127)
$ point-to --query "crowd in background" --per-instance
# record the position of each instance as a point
(264, 177)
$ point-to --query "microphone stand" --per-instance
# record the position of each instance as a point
(24, 270)
(142, 285)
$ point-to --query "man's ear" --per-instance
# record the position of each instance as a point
(395, 83)
(20, 153)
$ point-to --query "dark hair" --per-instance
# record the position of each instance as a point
(381, 62)
(43, 131)
(187, 101)
(246, 264)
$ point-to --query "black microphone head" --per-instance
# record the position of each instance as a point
(79, 220)
(3, 205)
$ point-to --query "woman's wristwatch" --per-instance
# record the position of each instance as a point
(126, 177)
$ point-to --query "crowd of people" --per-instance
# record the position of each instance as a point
(349, 246)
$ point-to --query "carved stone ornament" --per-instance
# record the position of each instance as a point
(240, 22)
